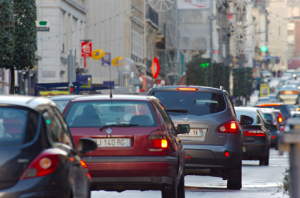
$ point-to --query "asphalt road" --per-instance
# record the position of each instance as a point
(258, 182)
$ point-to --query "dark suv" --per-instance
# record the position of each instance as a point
(214, 145)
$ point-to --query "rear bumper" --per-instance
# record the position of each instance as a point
(109, 171)
(255, 150)
(212, 156)
(274, 141)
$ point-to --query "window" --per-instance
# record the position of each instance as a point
(17, 126)
(291, 26)
(101, 113)
(291, 39)
(254, 115)
(137, 44)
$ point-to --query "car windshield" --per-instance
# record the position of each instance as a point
(102, 113)
(61, 104)
(17, 126)
(195, 103)
(288, 87)
(253, 115)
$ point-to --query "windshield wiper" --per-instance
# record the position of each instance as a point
(117, 125)
(177, 110)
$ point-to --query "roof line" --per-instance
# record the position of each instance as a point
(30, 100)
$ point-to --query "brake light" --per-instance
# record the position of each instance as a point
(289, 92)
(258, 133)
(89, 176)
(282, 128)
(157, 139)
(44, 164)
(83, 164)
(186, 89)
(267, 105)
(280, 118)
(230, 127)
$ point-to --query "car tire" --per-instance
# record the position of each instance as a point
(234, 181)
(180, 187)
(169, 191)
(264, 161)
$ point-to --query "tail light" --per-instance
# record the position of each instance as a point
(44, 164)
(187, 89)
(282, 128)
(280, 119)
(157, 139)
(230, 127)
(257, 133)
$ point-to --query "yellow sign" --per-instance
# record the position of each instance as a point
(98, 54)
(116, 61)
(53, 93)
(264, 89)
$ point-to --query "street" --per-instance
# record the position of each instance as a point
(258, 182)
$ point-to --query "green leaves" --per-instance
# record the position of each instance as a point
(17, 33)
(201, 72)
(242, 81)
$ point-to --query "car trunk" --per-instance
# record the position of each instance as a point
(253, 128)
(207, 124)
(13, 163)
(122, 141)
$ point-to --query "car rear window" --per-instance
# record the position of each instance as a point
(253, 115)
(61, 104)
(102, 113)
(268, 116)
(194, 102)
(17, 126)
(283, 108)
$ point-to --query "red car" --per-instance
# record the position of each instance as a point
(137, 144)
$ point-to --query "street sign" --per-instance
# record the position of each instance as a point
(42, 26)
(109, 83)
(86, 49)
(155, 68)
(98, 54)
(116, 61)
(106, 60)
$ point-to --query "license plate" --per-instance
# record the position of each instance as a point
(113, 142)
(195, 133)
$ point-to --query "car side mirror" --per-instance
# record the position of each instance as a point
(246, 120)
(183, 128)
(86, 145)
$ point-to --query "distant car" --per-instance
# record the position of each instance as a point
(266, 73)
(292, 82)
(272, 119)
(272, 97)
(295, 114)
(61, 101)
(289, 73)
(38, 156)
(263, 99)
(257, 140)
(137, 144)
(288, 94)
(280, 119)
(215, 140)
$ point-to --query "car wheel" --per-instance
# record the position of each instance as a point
(180, 187)
(264, 161)
(235, 178)
(169, 191)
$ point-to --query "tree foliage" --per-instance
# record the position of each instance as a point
(6, 33)
(25, 33)
(242, 81)
(197, 74)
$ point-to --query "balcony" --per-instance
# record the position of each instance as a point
(152, 15)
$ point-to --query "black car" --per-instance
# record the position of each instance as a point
(38, 157)
(257, 139)
(214, 145)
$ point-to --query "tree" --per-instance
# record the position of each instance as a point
(6, 34)
(24, 36)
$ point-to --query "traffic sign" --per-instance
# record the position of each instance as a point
(86, 49)
(42, 26)
(155, 68)
(98, 54)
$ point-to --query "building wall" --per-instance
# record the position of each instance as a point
(67, 21)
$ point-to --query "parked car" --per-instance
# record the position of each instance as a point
(214, 144)
(137, 144)
(38, 156)
(61, 101)
(257, 140)
(271, 118)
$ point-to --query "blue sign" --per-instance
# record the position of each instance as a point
(106, 60)
(109, 83)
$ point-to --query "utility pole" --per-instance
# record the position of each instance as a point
(211, 42)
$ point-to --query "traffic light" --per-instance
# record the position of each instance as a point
(264, 48)
(204, 65)
(17, 89)
(71, 88)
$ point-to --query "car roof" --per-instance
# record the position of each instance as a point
(115, 97)
(246, 109)
(200, 88)
(25, 101)
(272, 103)
(64, 97)
(267, 110)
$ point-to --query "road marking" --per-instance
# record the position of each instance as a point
(259, 185)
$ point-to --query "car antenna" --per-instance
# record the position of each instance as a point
(110, 82)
